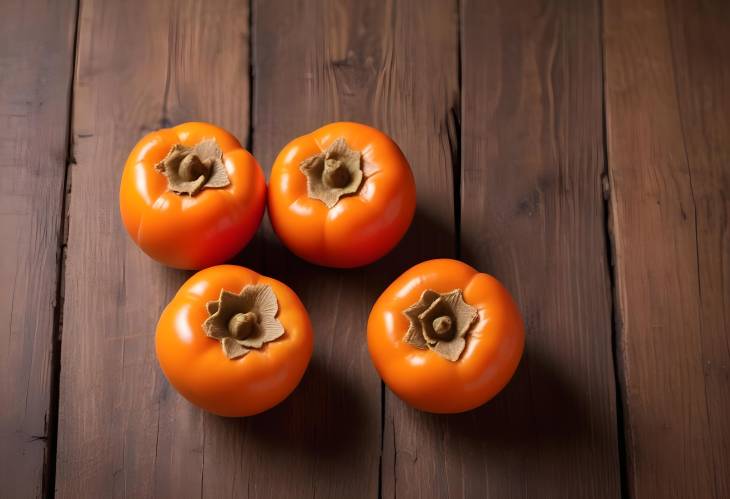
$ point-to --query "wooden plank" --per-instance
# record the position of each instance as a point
(700, 36)
(667, 75)
(36, 61)
(427, 37)
(394, 68)
(141, 65)
(532, 214)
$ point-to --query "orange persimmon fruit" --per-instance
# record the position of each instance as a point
(341, 196)
(191, 196)
(444, 337)
(234, 342)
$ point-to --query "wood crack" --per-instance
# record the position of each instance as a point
(610, 249)
(49, 473)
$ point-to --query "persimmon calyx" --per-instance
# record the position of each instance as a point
(192, 169)
(440, 322)
(245, 321)
(334, 173)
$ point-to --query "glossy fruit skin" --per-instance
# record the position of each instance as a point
(191, 232)
(360, 228)
(423, 378)
(196, 365)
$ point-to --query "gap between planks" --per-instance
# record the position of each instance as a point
(611, 271)
(49, 472)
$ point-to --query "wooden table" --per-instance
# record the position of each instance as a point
(577, 150)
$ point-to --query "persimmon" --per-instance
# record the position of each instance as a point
(444, 337)
(191, 196)
(234, 342)
(341, 196)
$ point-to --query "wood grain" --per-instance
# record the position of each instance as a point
(667, 75)
(426, 65)
(521, 138)
(532, 215)
(36, 62)
(141, 65)
(394, 67)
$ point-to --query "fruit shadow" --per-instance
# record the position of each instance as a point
(335, 412)
(326, 419)
(429, 236)
(541, 409)
(336, 409)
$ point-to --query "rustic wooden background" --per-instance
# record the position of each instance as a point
(577, 150)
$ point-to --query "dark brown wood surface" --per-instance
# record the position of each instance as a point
(36, 61)
(368, 64)
(667, 105)
(417, 103)
(324, 440)
(123, 432)
(532, 215)
(577, 150)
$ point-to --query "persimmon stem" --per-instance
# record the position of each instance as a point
(442, 328)
(243, 321)
(440, 322)
(242, 325)
(334, 173)
(192, 169)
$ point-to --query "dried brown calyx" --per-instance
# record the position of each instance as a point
(245, 321)
(440, 322)
(334, 173)
(192, 169)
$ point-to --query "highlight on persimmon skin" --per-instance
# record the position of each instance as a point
(444, 337)
(191, 196)
(234, 342)
(342, 196)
